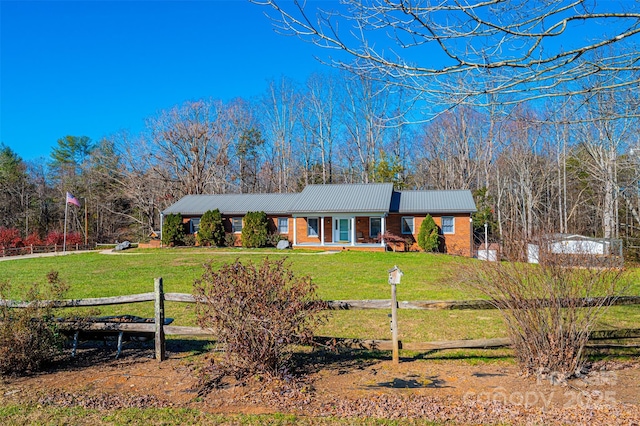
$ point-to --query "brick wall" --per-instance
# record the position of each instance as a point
(457, 243)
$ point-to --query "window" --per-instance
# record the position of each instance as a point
(448, 225)
(283, 225)
(195, 225)
(375, 226)
(312, 227)
(236, 224)
(407, 224)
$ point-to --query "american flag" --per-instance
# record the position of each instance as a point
(73, 200)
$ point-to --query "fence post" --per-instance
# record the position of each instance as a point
(159, 320)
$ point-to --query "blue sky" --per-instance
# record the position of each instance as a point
(93, 68)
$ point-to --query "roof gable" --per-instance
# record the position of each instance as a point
(344, 198)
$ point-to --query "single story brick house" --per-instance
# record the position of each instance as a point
(343, 216)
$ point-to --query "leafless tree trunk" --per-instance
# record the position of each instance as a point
(322, 102)
(282, 109)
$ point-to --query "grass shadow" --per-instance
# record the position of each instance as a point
(339, 361)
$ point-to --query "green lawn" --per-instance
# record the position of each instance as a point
(345, 275)
(339, 276)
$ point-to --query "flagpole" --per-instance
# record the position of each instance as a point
(86, 230)
(64, 239)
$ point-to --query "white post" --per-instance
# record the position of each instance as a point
(295, 231)
(486, 247)
(394, 278)
(383, 222)
(394, 325)
(321, 230)
(353, 231)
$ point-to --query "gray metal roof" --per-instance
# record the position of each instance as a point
(344, 198)
(230, 204)
(335, 198)
(453, 201)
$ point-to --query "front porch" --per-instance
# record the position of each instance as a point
(340, 231)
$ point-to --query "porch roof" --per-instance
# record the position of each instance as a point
(344, 198)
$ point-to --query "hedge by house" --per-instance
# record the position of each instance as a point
(255, 229)
(211, 230)
(428, 238)
(173, 230)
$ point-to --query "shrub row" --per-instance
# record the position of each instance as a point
(11, 237)
(255, 231)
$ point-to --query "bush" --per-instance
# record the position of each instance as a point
(189, 240)
(29, 339)
(255, 229)
(428, 238)
(55, 237)
(230, 239)
(10, 237)
(542, 306)
(33, 239)
(211, 231)
(274, 239)
(257, 313)
(173, 230)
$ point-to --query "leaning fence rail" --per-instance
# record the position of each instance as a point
(160, 329)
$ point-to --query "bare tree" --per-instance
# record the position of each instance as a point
(372, 116)
(282, 109)
(191, 145)
(451, 146)
(526, 49)
(322, 97)
(138, 182)
(606, 136)
(15, 190)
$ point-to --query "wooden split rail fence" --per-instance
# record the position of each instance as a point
(157, 327)
(32, 249)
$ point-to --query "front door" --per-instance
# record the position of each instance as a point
(342, 230)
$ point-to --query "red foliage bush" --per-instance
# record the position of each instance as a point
(75, 238)
(33, 239)
(58, 238)
(10, 237)
(54, 237)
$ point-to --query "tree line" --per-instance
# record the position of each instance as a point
(559, 164)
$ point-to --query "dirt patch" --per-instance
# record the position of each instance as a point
(353, 385)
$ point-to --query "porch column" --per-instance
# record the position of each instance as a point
(321, 230)
(383, 223)
(353, 231)
(295, 230)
